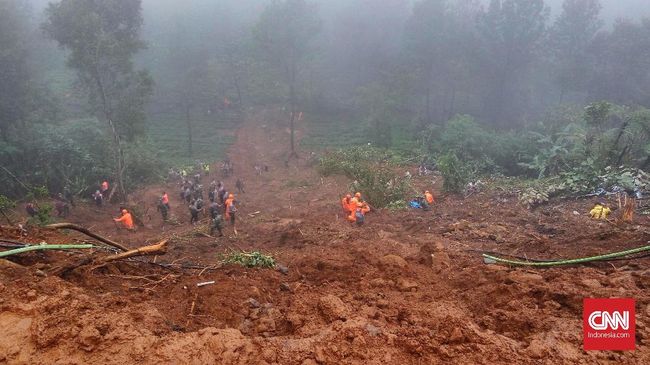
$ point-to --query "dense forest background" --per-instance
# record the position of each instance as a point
(123, 90)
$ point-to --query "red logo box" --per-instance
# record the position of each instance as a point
(608, 324)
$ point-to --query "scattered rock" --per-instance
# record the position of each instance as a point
(285, 287)
(440, 260)
(253, 303)
(372, 330)
(406, 285)
(89, 337)
(591, 283)
(536, 349)
(265, 324)
(382, 303)
(456, 336)
(332, 308)
(526, 277)
(40, 273)
(393, 261)
(282, 269)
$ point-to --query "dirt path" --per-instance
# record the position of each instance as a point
(403, 289)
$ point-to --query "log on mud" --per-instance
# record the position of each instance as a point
(85, 231)
(159, 248)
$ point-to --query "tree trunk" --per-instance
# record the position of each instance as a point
(428, 104)
(292, 104)
(119, 152)
(188, 122)
(239, 100)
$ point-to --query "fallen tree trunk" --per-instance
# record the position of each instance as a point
(85, 231)
(158, 249)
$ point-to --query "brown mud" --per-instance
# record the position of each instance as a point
(406, 288)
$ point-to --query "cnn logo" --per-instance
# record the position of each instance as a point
(600, 321)
(608, 324)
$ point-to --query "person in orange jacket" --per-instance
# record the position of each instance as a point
(126, 219)
(429, 197)
(358, 214)
(346, 202)
(165, 199)
(229, 204)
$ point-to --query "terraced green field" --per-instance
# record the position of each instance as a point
(212, 135)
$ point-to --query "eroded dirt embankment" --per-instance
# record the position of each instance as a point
(404, 289)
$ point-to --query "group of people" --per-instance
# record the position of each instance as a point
(222, 203)
(100, 194)
(355, 208)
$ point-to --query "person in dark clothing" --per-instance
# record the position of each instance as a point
(62, 208)
(98, 198)
(212, 194)
(30, 208)
(217, 224)
(163, 209)
(194, 214)
(240, 186)
(215, 209)
(68, 196)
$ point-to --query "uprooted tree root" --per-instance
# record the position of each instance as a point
(158, 249)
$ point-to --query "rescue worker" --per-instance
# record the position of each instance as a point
(217, 223)
(240, 186)
(206, 169)
(98, 198)
(104, 188)
(358, 216)
(163, 209)
(62, 208)
(600, 211)
(31, 210)
(68, 196)
(165, 199)
(356, 199)
(428, 201)
(126, 219)
(215, 209)
(194, 213)
(345, 203)
(230, 209)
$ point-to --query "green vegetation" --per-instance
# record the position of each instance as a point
(253, 259)
(373, 172)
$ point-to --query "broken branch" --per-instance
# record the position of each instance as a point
(85, 231)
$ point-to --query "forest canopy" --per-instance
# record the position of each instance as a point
(123, 90)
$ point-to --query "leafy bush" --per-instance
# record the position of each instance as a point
(372, 170)
(456, 174)
(249, 259)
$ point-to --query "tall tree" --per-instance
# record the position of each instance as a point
(102, 38)
(621, 64)
(439, 38)
(14, 73)
(570, 38)
(511, 32)
(285, 31)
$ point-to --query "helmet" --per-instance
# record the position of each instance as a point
(427, 192)
(357, 194)
(124, 211)
(348, 196)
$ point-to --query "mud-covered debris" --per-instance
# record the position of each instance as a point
(393, 261)
(253, 303)
(285, 287)
(333, 308)
(406, 285)
(282, 269)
